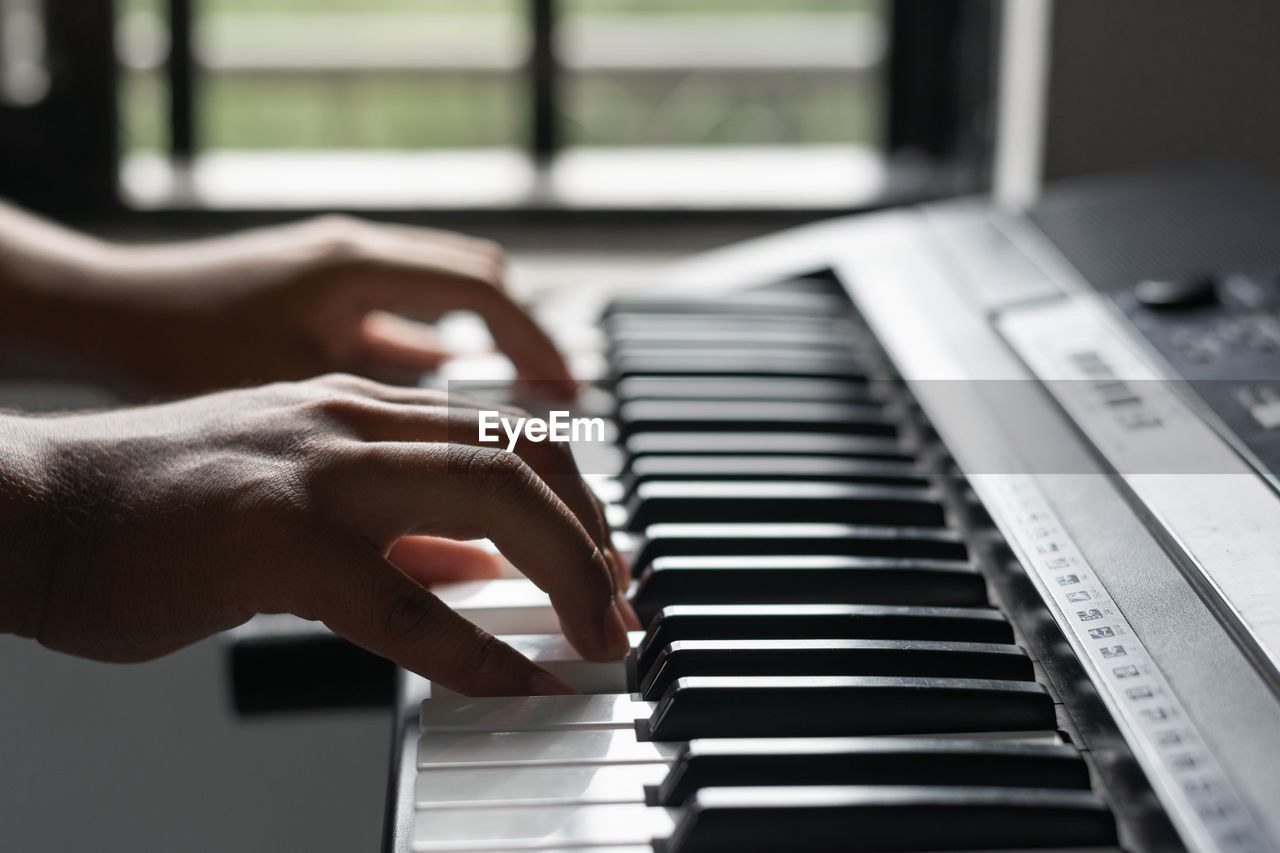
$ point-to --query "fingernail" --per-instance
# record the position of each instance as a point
(543, 683)
(616, 642)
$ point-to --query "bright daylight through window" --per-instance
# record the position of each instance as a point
(711, 103)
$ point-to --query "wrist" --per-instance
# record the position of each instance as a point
(27, 519)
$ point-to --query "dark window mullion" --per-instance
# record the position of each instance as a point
(544, 74)
(182, 82)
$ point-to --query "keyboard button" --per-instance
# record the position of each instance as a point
(819, 621)
(691, 540)
(756, 762)
(535, 785)
(833, 657)
(753, 416)
(713, 502)
(843, 390)
(541, 828)
(836, 469)
(518, 749)
(735, 363)
(902, 818)
(830, 705)
(806, 580)
(766, 443)
(530, 713)
(781, 303)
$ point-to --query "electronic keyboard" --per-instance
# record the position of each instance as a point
(953, 528)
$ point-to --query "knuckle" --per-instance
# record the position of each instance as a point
(336, 238)
(496, 473)
(412, 618)
(484, 653)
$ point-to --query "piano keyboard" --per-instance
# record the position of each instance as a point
(823, 666)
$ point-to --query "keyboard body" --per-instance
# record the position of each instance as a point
(1079, 402)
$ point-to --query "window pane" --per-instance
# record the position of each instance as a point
(723, 72)
(401, 74)
(142, 45)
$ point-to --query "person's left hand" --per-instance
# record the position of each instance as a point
(292, 302)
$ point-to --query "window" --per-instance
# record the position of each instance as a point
(524, 104)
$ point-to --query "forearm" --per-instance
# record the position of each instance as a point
(48, 282)
(26, 520)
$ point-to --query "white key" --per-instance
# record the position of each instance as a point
(517, 749)
(608, 489)
(531, 713)
(502, 606)
(539, 828)
(554, 653)
(616, 515)
(476, 787)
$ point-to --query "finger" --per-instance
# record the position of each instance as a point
(370, 603)
(430, 560)
(399, 342)
(432, 286)
(401, 419)
(389, 490)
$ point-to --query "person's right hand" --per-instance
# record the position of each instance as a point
(135, 532)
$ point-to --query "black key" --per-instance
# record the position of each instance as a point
(779, 303)
(819, 621)
(766, 443)
(760, 762)
(638, 337)
(806, 580)
(836, 469)
(850, 390)
(689, 540)
(925, 658)
(891, 818)
(712, 502)
(641, 416)
(691, 327)
(827, 706)
(736, 363)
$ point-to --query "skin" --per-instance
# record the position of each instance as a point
(134, 532)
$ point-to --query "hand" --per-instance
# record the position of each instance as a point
(135, 532)
(277, 303)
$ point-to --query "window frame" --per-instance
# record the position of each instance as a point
(940, 71)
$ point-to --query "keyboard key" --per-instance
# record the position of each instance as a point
(831, 705)
(523, 748)
(836, 469)
(538, 828)
(757, 762)
(713, 502)
(691, 540)
(766, 443)
(806, 580)
(900, 818)
(736, 363)
(531, 713)
(535, 785)
(640, 416)
(819, 621)
(842, 390)
(832, 657)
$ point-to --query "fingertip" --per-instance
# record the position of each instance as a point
(543, 683)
